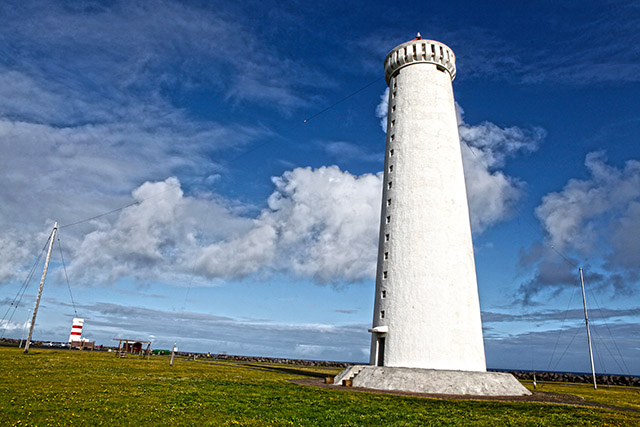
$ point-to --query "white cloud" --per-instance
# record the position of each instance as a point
(130, 48)
(382, 109)
(159, 238)
(492, 145)
(319, 224)
(310, 350)
(13, 250)
(87, 113)
(598, 216)
(485, 148)
(601, 207)
(22, 96)
(11, 327)
(68, 173)
(241, 255)
(491, 195)
(328, 222)
(624, 238)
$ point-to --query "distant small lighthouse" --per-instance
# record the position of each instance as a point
(427, 313)
(427, 331)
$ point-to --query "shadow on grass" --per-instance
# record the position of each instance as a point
(278, 369)
(283, 370)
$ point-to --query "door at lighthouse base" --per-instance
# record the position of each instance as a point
(380, 358)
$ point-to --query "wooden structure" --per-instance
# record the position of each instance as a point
(82, 344)
(133, 347)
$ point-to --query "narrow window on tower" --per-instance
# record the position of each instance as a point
(390, 168)
(391, 152)
(389, 185)
(388, 219)
(440, 68)
(388, 202)
(392, 137)
(386, 255)
(393, 94)
(384, 293)
(384, 274)
(395, 83)
(382, 314)
(386, 237)
(393, 123)
(393, 108)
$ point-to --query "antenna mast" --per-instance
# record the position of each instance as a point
(44, 275)
(586, 320)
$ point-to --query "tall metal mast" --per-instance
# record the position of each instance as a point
(586, 320)
(44, 274)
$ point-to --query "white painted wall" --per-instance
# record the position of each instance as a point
(426, 265)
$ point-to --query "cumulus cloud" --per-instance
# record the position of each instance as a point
(335, 217)
(69, 173)
(572, 217)
(485, 149)
(598, 215)
(320, 224)
(88, 112)
(75, 143)
(157, 237)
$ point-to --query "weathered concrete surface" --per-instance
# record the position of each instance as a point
(348, 373)
(434, 381)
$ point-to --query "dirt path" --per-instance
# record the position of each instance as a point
(537, 396)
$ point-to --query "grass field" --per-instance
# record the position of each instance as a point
(61, 387)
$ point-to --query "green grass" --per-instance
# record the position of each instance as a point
(609, 395)
(61, 387)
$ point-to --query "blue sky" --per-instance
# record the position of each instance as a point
(256, 233)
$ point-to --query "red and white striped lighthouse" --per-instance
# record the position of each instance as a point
(76, 330)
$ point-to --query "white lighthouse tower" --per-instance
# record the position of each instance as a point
(427, 330)
(427, 313)
(76, 330)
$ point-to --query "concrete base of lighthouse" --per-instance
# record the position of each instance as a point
(432, 381)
